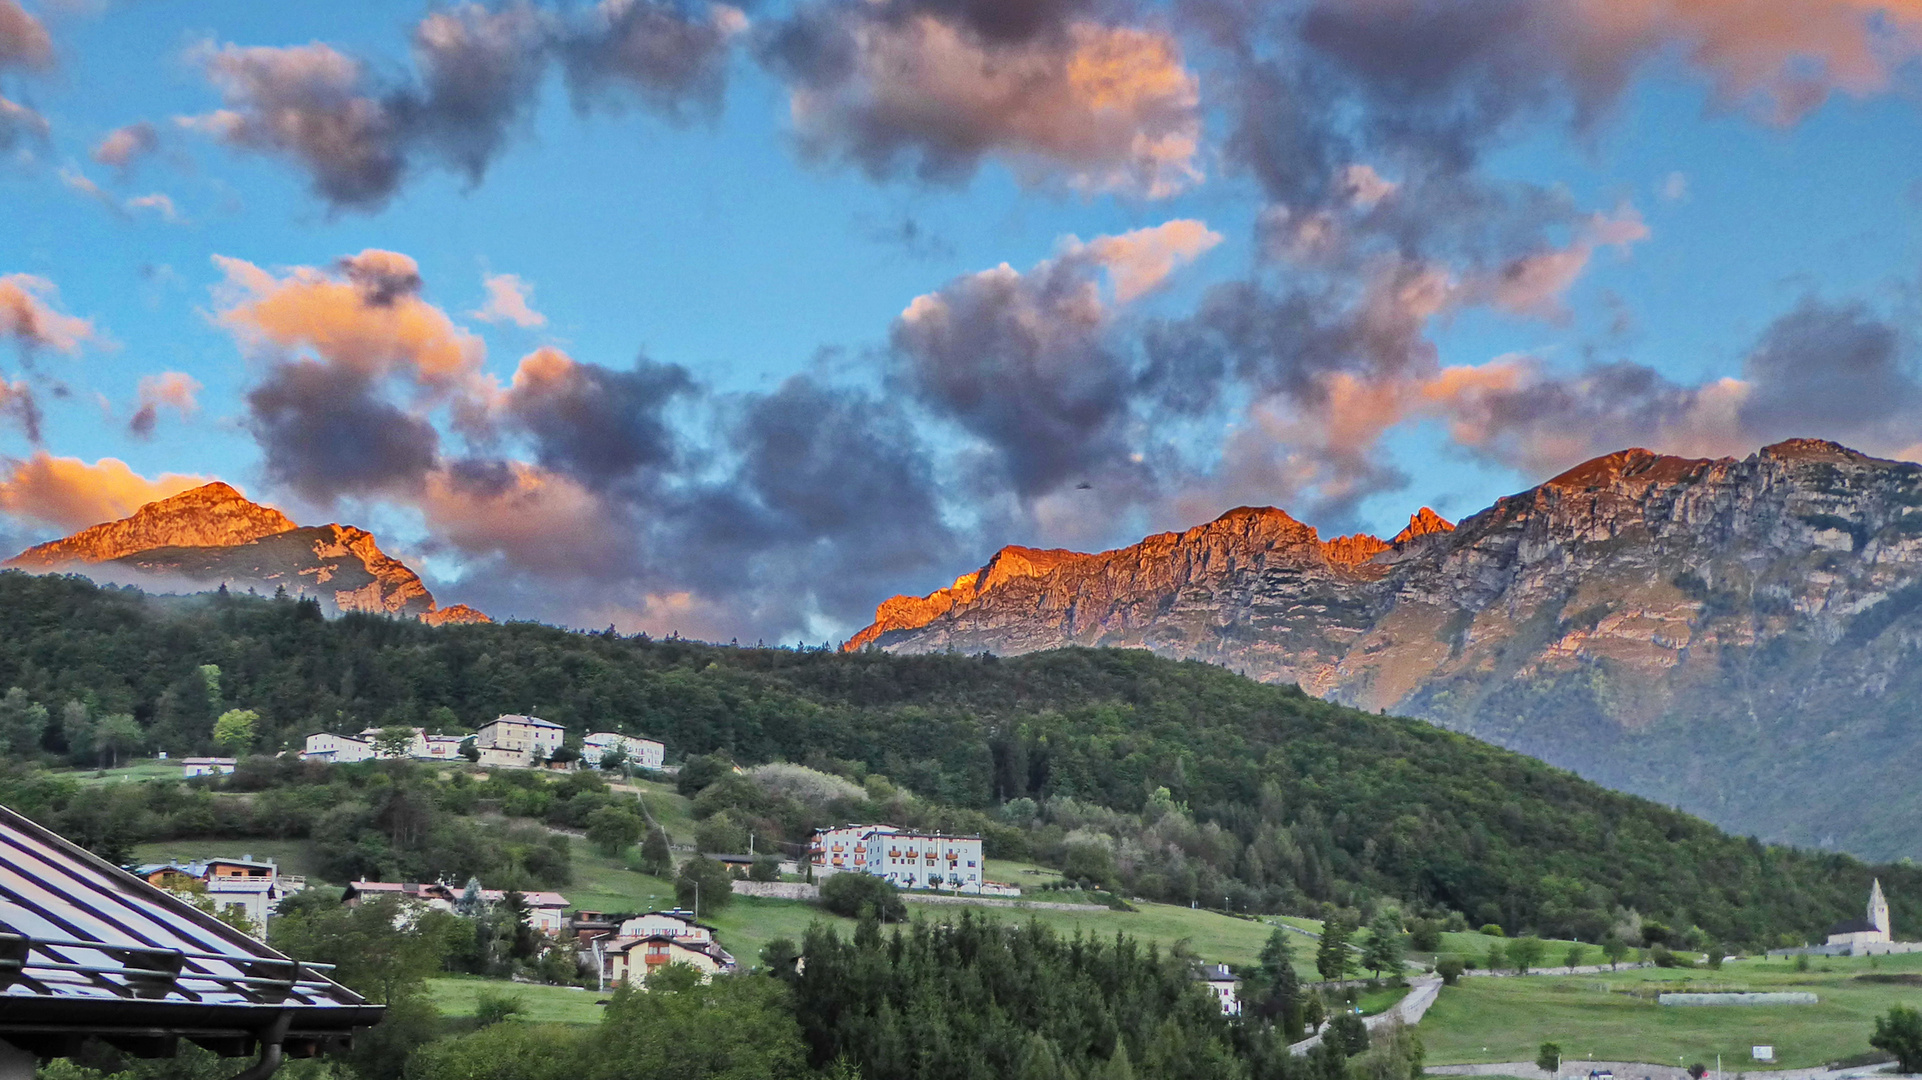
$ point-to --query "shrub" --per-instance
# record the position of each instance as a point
(1900, 1033)
(1348, 1032)
(1492, 930)
(1449, 967)
(1425, 934)
(850, 893)
(492, 1007)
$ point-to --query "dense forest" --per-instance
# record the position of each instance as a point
(1173, 780)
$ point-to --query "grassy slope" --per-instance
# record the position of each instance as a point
(141, 769)
(1513, 1017)
(455, 996)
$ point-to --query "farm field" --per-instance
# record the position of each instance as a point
(1614, 1017)
(456, 996)
(137, 770)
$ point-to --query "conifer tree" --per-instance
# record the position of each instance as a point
(1333, 959)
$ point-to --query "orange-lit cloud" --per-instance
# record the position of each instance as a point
(1099, 107)
(1139, 261)
(364, 314)
(70, 494)
(28, 317)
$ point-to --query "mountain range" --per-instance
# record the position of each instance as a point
(1738, 638)
(212, 535)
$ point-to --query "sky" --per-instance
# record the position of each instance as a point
(732, 322)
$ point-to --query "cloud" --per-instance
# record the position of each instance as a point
(70, 494)
(669, 57)
(584, 492)
(354, 358)
(124, 147)
(1822, 369)
(157, 203)
(327, 431)
(476, 78)
(170, 389)
(935, 88)
(24, 42)
(364, 315)
(508, 301)
(28, 317)
(1027, 363)
(1139, 261)
(1674, 187)
(311, 103)
(20, 124)
(18, 404)
(596, 425)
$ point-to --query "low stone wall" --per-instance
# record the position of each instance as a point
(1786, 997)
(778, 890)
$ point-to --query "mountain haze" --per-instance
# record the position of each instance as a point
(1735, 637)
(213, 535)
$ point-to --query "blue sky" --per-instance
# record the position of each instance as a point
(1568, 234)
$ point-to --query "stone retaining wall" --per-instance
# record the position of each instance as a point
(778, 890)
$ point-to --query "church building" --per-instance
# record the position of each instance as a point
(1860, 934)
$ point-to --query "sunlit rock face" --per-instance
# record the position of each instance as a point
(213, 535)
(1738, 637)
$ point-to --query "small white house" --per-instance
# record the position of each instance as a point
(1221, 983)
(338, 749)
(641, 753)
(206, 766)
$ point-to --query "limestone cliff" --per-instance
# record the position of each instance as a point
(212, 515)
(1738, 637)
(213, 535)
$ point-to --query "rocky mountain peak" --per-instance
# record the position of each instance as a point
(1423, 522)
(212, 515)
(213, 535)
(1634, 467)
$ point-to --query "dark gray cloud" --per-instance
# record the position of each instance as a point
(1026, 363)
(18, 405)
(595, 424)
(1829, 368)
(325, 431)
(669, 57)
(478, 75)
(479, 71)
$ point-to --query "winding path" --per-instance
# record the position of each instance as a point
(1409, 1010)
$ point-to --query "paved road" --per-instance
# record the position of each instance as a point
(1410, 1009)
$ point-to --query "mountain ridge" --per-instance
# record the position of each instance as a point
(213, 535)
(1732, 636)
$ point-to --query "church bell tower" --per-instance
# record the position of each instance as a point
(1879, 911)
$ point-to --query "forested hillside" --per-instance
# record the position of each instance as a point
(1177, 780)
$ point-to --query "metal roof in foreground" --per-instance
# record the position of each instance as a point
(87, 949)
